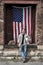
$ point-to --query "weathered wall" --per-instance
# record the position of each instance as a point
(1, 24)
(39, 23)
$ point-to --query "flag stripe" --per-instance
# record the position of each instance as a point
(23, 18)
(17, 28)
(20, 26)
(15, 33)
(14, 30)
(30, 20)
(27, 20)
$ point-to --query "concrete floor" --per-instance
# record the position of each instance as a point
(20, 63)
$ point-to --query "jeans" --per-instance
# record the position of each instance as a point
(23, 51)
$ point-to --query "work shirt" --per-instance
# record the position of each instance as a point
(27, 39)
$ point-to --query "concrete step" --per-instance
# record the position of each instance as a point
(10, 52)
(10, 55)
(37, 58)
(30, 45)
(15, 52)
(40, 47)
(20, 58)
(1, 47)
(1, 52)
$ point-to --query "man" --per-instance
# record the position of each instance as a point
(23, 40)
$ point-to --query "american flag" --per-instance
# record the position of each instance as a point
(21, 19)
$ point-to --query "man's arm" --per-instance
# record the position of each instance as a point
(28, 39)
(19, 40)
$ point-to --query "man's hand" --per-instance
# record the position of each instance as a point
(19, 45)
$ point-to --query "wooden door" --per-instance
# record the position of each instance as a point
(33, 15)
(8, 27)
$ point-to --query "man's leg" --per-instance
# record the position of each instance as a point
(22, 52)
(25, 50)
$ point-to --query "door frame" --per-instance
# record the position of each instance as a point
(21, 2)
(18, 2)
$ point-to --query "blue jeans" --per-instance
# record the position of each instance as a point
(23, 51)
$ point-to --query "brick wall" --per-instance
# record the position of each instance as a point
(38, 24)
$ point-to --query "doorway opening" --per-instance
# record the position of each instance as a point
(9, 24)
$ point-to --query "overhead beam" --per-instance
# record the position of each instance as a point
(21, 2)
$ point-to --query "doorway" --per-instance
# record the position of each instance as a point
(8, 23)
